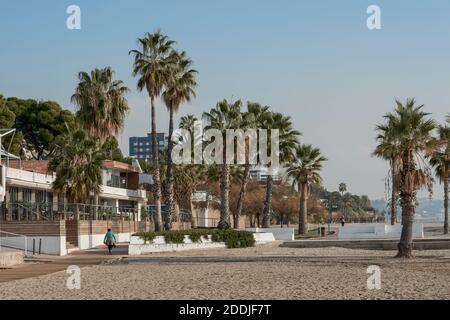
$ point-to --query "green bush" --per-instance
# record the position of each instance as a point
(176, 237)
(232, 238)
(148, 237)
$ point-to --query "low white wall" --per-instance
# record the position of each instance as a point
(286, 234)
(376, 231)
(95, 240)
(138, 246)
(10, 258)
(263, 237)
(49, 245)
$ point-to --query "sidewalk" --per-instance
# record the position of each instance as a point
(46, 264)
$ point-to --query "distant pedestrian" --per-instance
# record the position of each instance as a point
(342, 221)
(110, 240)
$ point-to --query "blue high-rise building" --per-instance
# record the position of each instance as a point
(141, 147)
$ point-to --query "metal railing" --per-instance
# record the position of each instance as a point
(18, 211)
(13, 241)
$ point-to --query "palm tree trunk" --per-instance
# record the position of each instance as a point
(156, 175)
(193, 217)
(408, 200)
(242, 195)
(96, 200)
(170, 208)
(303, 212)
(446, 187)
(224, 222)
(268, 202)
(394, 196)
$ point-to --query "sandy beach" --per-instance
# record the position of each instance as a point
(266, 272)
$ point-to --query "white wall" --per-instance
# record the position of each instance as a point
(376, 231)
(286, 234)
(50, 245)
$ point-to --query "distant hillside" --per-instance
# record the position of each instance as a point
(430, 209)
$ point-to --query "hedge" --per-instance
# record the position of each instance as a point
(232, 238)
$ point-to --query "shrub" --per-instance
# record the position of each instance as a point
(147, 236)
(232, 238)
(174, 237)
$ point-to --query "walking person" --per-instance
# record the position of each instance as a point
(110, 240)
(342, 221)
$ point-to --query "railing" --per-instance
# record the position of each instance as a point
(25, 211)
(13, 241)
(18, 211)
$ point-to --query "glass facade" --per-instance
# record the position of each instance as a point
(141, 147)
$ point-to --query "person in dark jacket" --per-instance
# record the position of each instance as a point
(343, 221)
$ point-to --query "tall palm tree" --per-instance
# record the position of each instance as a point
(305, 170)
(101, 102)
(152, 64)
(188, 122)
(342, 190)
(440, 160)
(224, 116)
(388, 149)
(252, 119)
(288, 141)
(179, 89)
(413, 129)
(78, 164)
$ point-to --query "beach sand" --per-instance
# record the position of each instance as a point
(266, 272)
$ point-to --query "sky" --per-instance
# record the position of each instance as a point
(315, 61)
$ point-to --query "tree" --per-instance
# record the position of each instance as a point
(252, 119)
(152, 63)
(40, 122)
(78, 164)
(388, 149)
(223, 117)
(440, 160)
(288, 140)
(304, 171)
(179, 89)
(342, 188)
(111, 151)
(413, 130)
(12, 144)
(101, 102)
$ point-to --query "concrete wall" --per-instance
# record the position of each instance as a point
(10, 258)
(377, 231)
(285, 234)
(138, 246)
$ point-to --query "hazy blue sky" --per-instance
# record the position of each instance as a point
(314, 60)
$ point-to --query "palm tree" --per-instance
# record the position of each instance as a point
(342, 188)
(413, 130)
(152, 63)
(78, 164)
(440, 160)
(252, 119)
(288, 141)
(388, 149)
(179, 89)
(101, 102)
(304, 171)
(224, 116)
